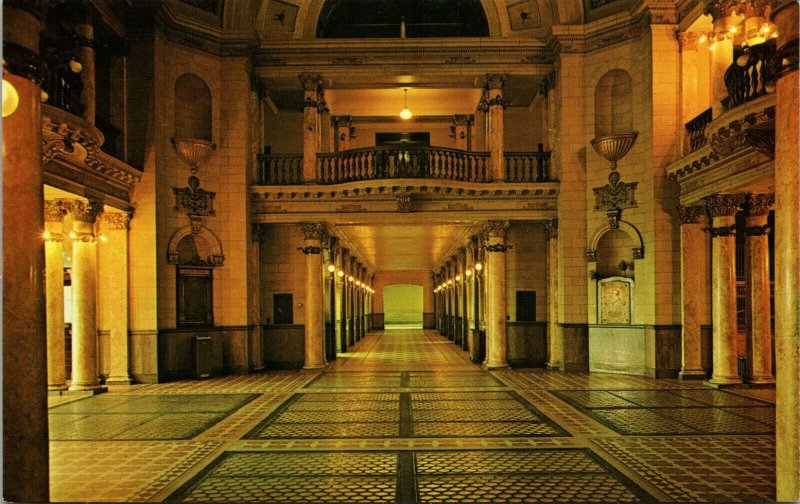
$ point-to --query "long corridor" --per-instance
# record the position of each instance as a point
(405, 417)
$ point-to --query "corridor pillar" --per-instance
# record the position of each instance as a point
(84, 295)
(314, 329)
(721, 53)
(757, 264)
(117, 225)
(461, 133)
(496, 338)
(694, 277)
(84, 36)
(54, 212)
(342, 131)
(25, 445)
(312, 85)
(787, 255)
(722, 208)
(495, 105)
(555, 337)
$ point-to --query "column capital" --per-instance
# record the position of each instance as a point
(720, 9)
(548, 83)
(722, 205)
(462, 119)
(494, 81)
(312, 230)
(496, 228)
(85, 211)
(310, 82)
(688, 40)
(342, 121)
(550, 229)
(55, 210)
(117, 221)
(23, 62)
(760, 204)
(691, 214)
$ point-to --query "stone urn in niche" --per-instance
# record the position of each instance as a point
(612, 148)
(193, 150)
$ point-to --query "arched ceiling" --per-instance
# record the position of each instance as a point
(297, 19)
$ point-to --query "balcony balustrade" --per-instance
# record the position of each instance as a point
(374, 163)
(696, 129)
(750, 74)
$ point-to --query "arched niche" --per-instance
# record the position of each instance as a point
(192, 108)
(195, 245)
(613, 104)
(612, 240)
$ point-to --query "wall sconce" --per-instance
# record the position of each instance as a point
(350, 278)
(478, 266)
(340, 273)
(331, 268)
(10, 98)
(450, 282)
(468, 272)
(458, 278)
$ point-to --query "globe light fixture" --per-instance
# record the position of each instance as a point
(405, 114)
(10, 98)
(331, 268)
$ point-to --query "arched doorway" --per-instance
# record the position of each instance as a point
(403, 306)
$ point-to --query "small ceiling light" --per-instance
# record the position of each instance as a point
(468, 273)
(703, 38)
(10, 98)
(75, 66)
(46, 235)
(331, 268)
(732, 29)
(103, 238)
(73, 235)
(458, 278)
(340, 273)
(350, 278)
(450, 282)
(478, 266)
(405, 114)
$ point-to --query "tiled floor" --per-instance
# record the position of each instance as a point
(405, 417)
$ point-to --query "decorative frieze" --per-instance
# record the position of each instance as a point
(85, 211)
(688, 40)
(55, 210)
(192, 200)
(691, 214)
(403, 203)
(613, 197)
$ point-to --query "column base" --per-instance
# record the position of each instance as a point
(57, 388)
(118, 380)
(692, 374)
(761, 381)
(85, 391)
(314, 366)
(494, 367)
(553, 366)
(723, 382)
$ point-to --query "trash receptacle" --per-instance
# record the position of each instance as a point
(201, 357)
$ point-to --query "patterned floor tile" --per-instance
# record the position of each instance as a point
(657, 399)
(484, 429)
(327, 430)
(640, 421)
(594, 399)
(343, 405)
(499, 415)
(489, 404)
(719, 398)
(507, 461)
(716, 421)
(299, 464)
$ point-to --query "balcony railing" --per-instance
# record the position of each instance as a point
(696, 129)
(749, 81)
(393, 162)
(531, 166)
(373, 163)
(280, 169)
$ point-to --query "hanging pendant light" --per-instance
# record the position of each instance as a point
(405, 114)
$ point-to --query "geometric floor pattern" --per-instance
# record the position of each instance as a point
(405, 417)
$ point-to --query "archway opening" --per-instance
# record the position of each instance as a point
(403, 305)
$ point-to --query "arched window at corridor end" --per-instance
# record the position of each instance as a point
(382, 19)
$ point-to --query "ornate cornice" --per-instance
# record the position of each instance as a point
(22, 62)
(55, 210)
(85, 211)
(724, 205)
(691, 214)
(117, 221)
(312, 230)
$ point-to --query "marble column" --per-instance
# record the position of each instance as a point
(722, 208)
(85, 372)
(759, 343)
(721, 52)
(496, 338)
(312, 85)
(314, 328)
(117, 225)
(555, 336)
(689, 78)
(694, 264)
(787, 255)
(256, 357)
(457, 309)
(495, 105)
(25, 443)
(54, 212)
(84, 36)
(351, 307)
(463, 293)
